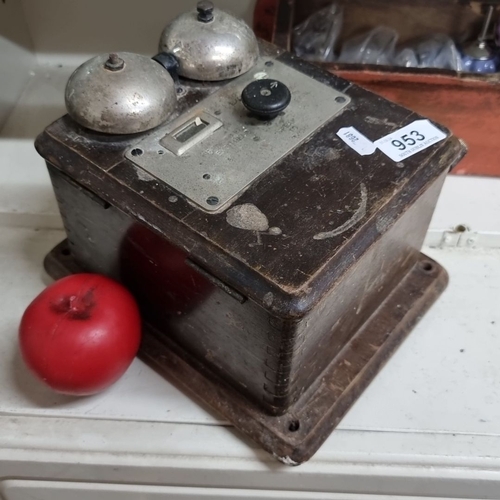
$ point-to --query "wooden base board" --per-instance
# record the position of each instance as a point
(295, 436)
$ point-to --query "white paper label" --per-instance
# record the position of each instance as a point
(410, 140)
(357, 141)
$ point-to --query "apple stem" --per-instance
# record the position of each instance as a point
(76, 306)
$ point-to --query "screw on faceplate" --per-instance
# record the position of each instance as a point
(213, 200)
(205, 11)
(114, 63)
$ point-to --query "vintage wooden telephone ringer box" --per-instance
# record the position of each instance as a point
(239, 192)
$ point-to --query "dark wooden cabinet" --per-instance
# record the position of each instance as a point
(278, 329)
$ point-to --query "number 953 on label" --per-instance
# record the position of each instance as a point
(409, 140)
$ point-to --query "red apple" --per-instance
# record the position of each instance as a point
(81, 334)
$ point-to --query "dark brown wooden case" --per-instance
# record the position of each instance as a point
(466, 103)
(279, 331)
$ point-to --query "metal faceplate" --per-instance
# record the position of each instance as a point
(211, 153)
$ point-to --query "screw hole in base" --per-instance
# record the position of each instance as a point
(212, 200)
(294, 426)
(427, 266)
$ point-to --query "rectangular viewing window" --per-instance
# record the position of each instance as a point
(190, 130)
(185, 133)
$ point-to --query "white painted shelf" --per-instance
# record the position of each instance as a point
(429, 425)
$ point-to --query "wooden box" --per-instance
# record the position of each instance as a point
(466, 103)
(279, 328)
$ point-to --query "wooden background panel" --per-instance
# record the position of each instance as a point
(466, 104)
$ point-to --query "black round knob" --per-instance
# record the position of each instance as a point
(266, 98)
(205, 11)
